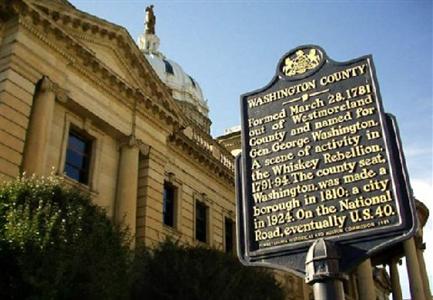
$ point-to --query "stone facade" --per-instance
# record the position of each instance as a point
(65, 73)
(63, 70)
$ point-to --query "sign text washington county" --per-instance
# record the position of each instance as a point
(316, 156)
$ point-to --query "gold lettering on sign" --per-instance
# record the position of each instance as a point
(280, 94)
(318, 161)
(343, 75)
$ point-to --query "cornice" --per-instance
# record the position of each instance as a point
(84, 61)
(209, 138)
(84, 24)
(30, 23)
(100, 42)
(42, 22)
(200, 155)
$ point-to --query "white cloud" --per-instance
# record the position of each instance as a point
(417, 151)
(423, 190)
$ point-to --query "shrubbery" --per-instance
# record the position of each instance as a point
(173, 271)
(55, 244)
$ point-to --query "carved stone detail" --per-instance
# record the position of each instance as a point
(35, 22)
(47, 85)
(170, 176)
(67, 45)
(132, 141)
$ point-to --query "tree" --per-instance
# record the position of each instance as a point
(172, 271)
(56, 244)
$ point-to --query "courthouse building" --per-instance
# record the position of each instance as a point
(129, 127)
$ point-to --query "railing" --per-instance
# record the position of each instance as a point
(207, 143)
(228, 162)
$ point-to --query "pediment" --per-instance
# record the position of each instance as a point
(110, 46)
(106, 54)
(104, 49)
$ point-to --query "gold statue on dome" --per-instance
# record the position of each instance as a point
(150, 20)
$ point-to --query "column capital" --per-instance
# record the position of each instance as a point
(394, 260)
(132, 141)
(419, 243)
(47, 85)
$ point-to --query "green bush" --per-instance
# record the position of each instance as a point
(172, 271)
(55, 244)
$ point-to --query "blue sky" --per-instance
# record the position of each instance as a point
(232, 47)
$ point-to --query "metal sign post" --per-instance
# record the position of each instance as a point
(322, 271)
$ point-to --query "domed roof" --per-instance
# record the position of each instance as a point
(184, 87)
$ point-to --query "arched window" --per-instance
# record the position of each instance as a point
(168, 67)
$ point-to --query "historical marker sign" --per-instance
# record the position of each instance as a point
(318, 162)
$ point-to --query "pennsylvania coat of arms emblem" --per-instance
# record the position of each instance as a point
(301, 62)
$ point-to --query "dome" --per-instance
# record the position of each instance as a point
(184, 88)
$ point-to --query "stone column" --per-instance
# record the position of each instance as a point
(127, 180)
(395, 280)
(413, 269)
(366, 287)
(150, 228)
(39, 128)
(424, 276)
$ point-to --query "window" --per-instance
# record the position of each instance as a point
(228, 227)
(201, 221)
(77, 163)
(192, 81)
(168, 67)
(168, 208)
